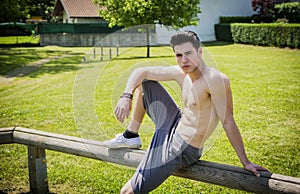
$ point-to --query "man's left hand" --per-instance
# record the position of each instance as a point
(255, 168)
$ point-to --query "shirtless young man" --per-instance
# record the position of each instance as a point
(179, 136)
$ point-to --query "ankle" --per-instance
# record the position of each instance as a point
(130, 134)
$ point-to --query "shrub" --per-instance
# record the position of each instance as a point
(280, 35)
(235, 19)
(289, 11)
(282, 13)
(223, 32)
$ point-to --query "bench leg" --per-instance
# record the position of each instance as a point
(37, 168)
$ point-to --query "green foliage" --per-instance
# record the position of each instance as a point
(17, 10)
(289, 11)
(13, 10)
(127, 13)
(236, 19)
(274, 34)
(42, 8)
(280, 35)
(264, 8)
(175, 13)
(223, 32)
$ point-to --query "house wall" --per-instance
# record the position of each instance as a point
(67, 19)
(87, 20)
(211, 12)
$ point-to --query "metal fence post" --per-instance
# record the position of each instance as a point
(101, 54)
(37, 168)
(117, 48)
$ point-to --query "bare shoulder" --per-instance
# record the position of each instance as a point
(215, 76)
(216, 80)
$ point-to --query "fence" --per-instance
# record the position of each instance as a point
(220, 174)
(89, 34)
(76, 28)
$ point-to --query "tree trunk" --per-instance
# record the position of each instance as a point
(148, 40)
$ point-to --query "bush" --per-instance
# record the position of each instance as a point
(246, 19)
(280, 35)
(235, 19)
(223, 32)
(289, 11)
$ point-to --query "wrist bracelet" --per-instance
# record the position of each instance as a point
(127, 95)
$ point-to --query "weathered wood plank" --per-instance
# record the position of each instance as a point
(37, 170)
(224, 175)
(238, 178)
(6, 135)
(77, 146)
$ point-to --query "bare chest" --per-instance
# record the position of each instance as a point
(196, 94)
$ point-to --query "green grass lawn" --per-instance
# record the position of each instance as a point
(74, 98)
(19, 39)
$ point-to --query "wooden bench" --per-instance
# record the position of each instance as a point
(219, 174)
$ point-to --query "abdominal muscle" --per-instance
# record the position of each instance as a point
(195, 128)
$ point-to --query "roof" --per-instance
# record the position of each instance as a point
(76, 8)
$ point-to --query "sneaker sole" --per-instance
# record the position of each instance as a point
(123, 146)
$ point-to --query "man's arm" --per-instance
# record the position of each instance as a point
(156, 73)
(222, 99)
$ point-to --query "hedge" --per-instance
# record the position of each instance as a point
(236, 19)
(246, 19)
(274, 34)
(223, 32)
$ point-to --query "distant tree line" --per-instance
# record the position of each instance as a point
(20, 10)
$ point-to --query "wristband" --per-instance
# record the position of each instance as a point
(127, 95)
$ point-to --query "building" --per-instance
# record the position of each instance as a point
(77, 11)
(35, 20)
(211, 10)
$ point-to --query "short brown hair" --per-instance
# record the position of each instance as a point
(183, 37)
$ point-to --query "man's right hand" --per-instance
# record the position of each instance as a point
(123, 109)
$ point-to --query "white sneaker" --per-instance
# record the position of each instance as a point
(121, 142)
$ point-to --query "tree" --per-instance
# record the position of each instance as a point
(20, 10)
(264, 8)
(126, 13)
(42, 8)
(13, 10)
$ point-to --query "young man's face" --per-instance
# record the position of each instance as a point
(188, 58)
